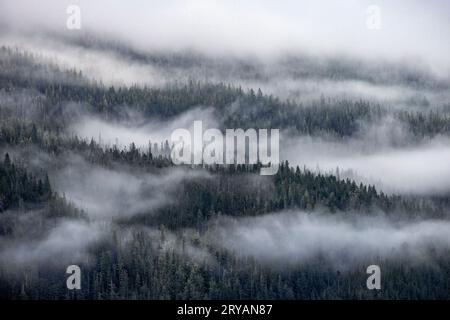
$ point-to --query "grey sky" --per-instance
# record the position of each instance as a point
(410, 29)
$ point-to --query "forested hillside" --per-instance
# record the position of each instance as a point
(141, 227)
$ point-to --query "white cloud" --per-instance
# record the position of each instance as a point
(409, 28)
(298, 237)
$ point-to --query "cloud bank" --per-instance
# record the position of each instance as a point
(286, 238)
(254, 27)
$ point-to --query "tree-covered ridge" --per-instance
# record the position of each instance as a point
(28, 205)
(340, 118)
(18, 186)
(291, 187)
(238, 191)
(235, 190)
(300, 65)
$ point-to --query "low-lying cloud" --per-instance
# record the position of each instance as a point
(256, 28)
(140, 130)
(417, 168)
(108, 194)
(287, 238)
(69, 241)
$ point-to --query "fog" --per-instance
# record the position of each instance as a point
(69, 241)
(138, 129)
(107, 67)
(254, 27)
(301, 78)
(107, 193)
(111, 194)
(286, 238)
(385, 155)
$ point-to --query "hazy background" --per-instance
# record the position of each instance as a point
(410, 29)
